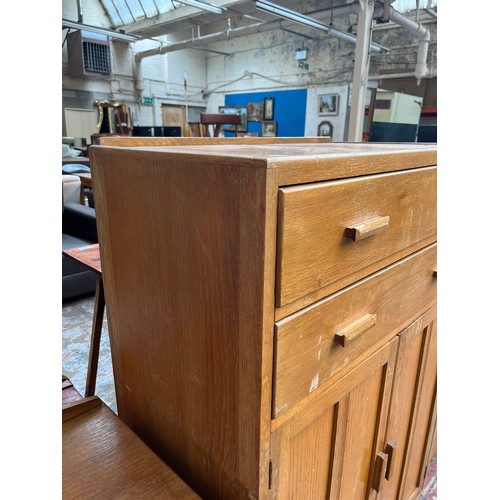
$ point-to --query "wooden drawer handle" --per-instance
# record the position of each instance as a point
(435, 273)
(368, 228)
(355, 329)
(390, 450)
(380, 470)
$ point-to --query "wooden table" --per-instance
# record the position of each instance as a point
(89, 256)
(85, 182)
(103, 458)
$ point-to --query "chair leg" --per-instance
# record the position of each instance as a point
(95, 339)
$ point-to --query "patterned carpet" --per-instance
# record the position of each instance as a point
(76, 330)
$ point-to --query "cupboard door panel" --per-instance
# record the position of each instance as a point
(424, 416)
(360, 434)
(326, 451)
(310, 459)
(411, 416)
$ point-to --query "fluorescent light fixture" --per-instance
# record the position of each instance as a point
(291, 15)
(101, 31)
(202, 5)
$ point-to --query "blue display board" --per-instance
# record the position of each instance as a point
(289, 110)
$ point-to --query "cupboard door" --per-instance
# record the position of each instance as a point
(412, 414)
(327, 449)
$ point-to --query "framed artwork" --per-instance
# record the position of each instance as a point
(328, 104)
(235, 110)
(255, 111)
(269, 129)
(268, 108)
(325, 129)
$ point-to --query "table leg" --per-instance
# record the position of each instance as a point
(95, 339)
(82, 194)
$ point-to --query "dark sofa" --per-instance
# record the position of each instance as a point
(79, 229)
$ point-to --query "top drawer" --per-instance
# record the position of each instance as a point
(331, 234)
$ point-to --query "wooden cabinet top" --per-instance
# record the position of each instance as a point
(296, 163)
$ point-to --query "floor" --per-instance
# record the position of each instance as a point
(76, 330)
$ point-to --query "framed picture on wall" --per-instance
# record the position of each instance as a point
(269, 129)
(325, 129)
(235, 110)
(255, 111)
(268, 108)
(328, 104)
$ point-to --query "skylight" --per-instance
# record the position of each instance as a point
(128, 11)
(124, 12)
(406, 5)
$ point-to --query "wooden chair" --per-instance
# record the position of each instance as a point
(218, 119)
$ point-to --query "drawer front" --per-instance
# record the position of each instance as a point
(338, 232)
(314, 344)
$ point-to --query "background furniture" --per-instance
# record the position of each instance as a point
(81, 171)
(103, 458)
(71, 188)
(69, 392)
(216, 120)
(78, 122)
(79, 229)
(90, 258)
(274, 336)
(201, 141)
(395, 117)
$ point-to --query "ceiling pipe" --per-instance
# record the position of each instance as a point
(262, 27)
(387, 76)
(417, 28)
(420, 31)
(80, 10)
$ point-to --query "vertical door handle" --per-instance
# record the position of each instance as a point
(380, 470)
(390, 450)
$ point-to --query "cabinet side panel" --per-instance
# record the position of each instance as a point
(187, 350)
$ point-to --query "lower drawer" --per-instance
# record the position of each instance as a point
(319, 341)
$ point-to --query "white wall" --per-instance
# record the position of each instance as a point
(161, 77)
(313, 119)
(265, 61)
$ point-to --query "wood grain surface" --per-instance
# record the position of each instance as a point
(187, 251)
(313, 248)
(301, 163)
(188, 244)
(306, 352)
(334, 438)
(412, 393)
(103, 458)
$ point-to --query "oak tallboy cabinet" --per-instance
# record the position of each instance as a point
(272, 313)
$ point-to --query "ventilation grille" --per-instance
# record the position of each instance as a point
(89, 57)
(96, 58)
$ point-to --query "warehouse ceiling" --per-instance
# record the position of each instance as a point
(153, 18)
